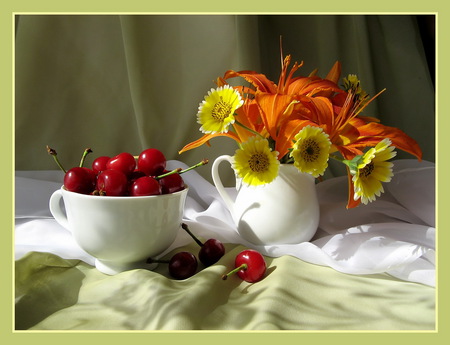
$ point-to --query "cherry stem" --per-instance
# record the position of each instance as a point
(85, 153)
(186, 228)
(199, 164)
(156, 261)
(174, 171)
(53, 153)
(237, 269)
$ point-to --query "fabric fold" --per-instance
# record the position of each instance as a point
(393, 235)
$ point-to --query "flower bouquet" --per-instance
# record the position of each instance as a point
(303, 121)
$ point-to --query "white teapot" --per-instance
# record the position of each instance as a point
(285, 211)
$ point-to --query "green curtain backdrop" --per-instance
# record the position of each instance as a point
(119, 83)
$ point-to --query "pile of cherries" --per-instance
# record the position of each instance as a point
(249, 264)
(124, 175)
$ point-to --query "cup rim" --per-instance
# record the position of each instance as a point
(124, 197)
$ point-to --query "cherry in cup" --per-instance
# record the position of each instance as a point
(210, 251)
(112, 183)
(249, 266)
(80, 180)
(77, 179)
(124, 162)
(135, 175)
(152, 162)
(99, 164)
(171, 183)
(145, 186)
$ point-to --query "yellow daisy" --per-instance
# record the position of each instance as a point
(255, 162)
(373, 170)
(216, 111)
(311, 150)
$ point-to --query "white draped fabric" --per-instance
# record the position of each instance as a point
(395, 234)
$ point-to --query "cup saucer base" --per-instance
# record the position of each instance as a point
(111, 268)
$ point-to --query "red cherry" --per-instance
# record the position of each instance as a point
(124, 162)
(112, 183)
(99, 164)
(210, 252)
(152, 162)
(249, 266)
(135, 175)
(92, 173)
(171, 183)
(80, 180)
(183, 265)
(145, 186)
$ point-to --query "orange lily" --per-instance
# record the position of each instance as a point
(278, 103)
(350, 133)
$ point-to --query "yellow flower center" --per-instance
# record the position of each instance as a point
(310, 150)
(258, 162)
(367, 170)
(221, 110)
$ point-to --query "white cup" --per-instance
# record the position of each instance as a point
(120, 232)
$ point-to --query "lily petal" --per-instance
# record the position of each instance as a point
(258, 80)
(205, 140)
(372, 133)
(335, 72)
(312, 86)
(351, 202)
(321, 110)
(273, 107)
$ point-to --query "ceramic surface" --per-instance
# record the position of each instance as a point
(285, 211)
(120, 232)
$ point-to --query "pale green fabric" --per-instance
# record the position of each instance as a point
(57, 294)
(124, 83)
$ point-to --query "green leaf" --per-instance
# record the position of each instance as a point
(353, 163)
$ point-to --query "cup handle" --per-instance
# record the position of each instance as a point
(56, 209)
(218, 182)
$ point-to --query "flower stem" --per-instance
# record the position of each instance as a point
(53, 153)
(237, 269)
(337, 158)
(248, 129)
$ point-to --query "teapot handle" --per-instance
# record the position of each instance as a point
(218, 182)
